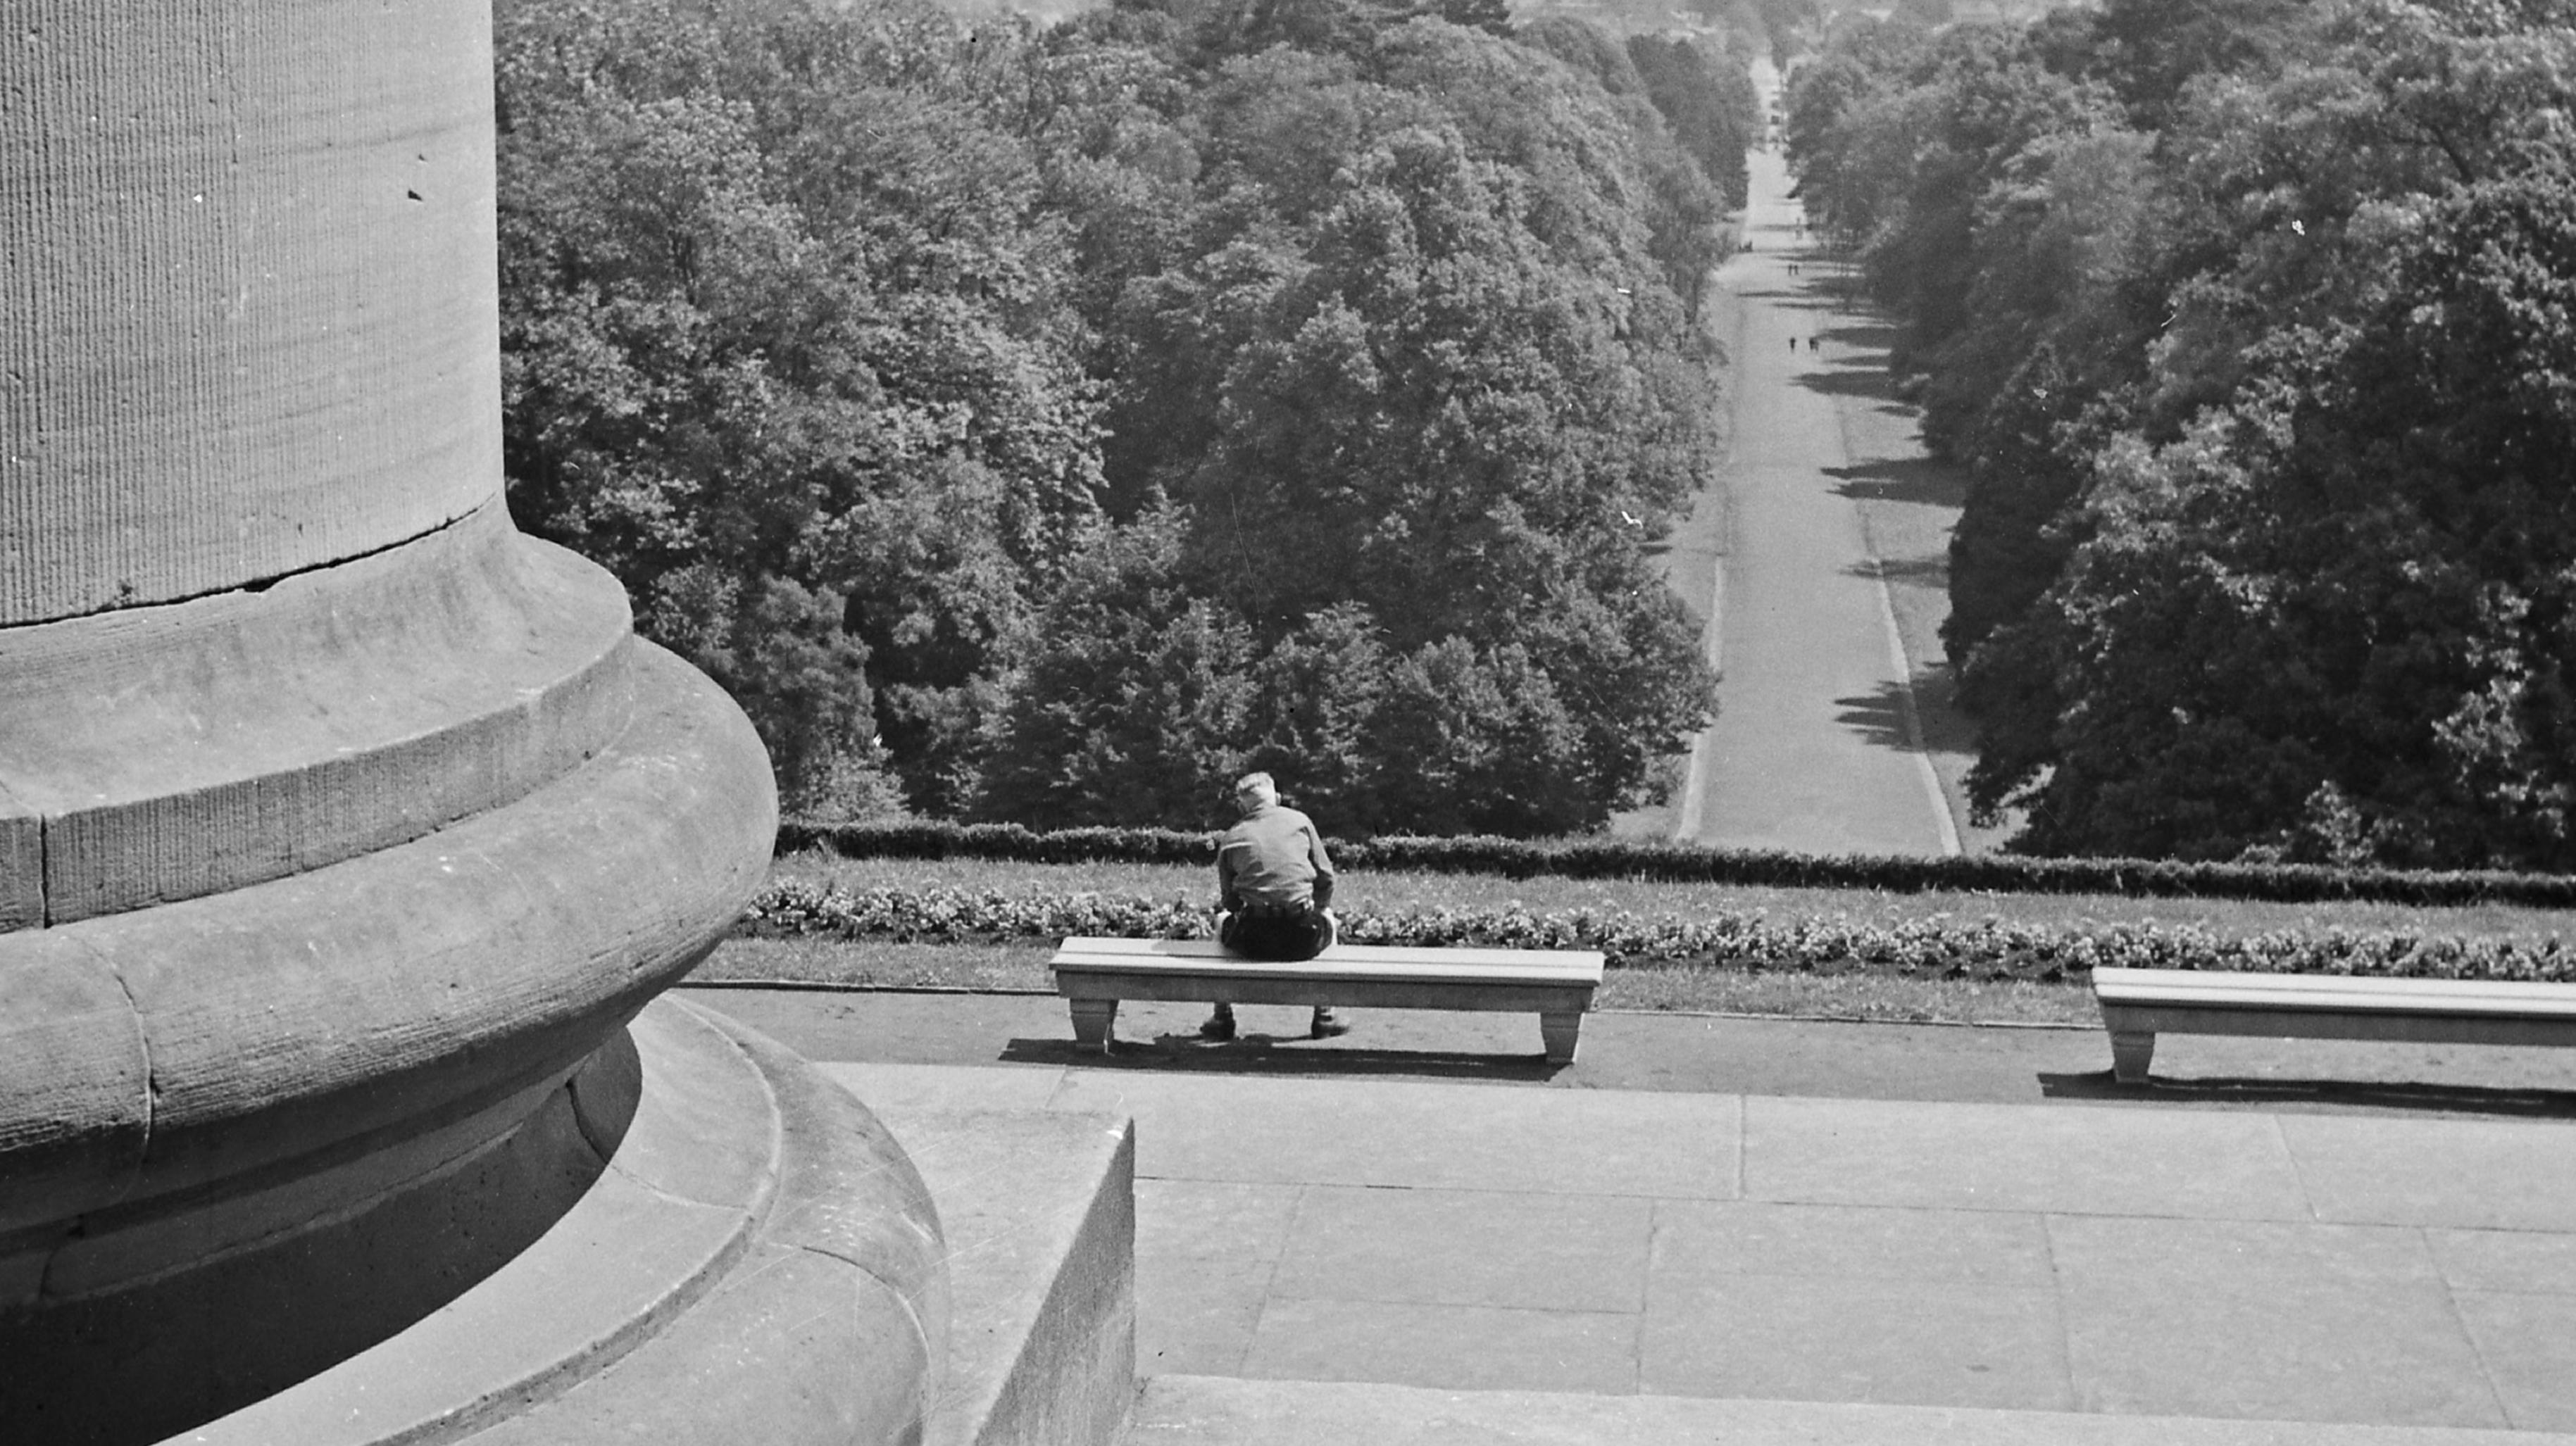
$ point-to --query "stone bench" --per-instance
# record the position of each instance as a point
(2139, 1004)
(1554, 984)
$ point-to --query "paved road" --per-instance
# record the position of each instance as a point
(1815, 748)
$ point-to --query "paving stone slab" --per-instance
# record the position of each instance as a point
(2528, 1345)
(2077, 1262)
(1426, 1136)
(1838, 1242)
(2495, 1174)
(1205, 1254)
(2505, 1260)
(1468, 1247)
(2263, 1319)
(2004, 1157)
(1465, 1347)
(1205, 1411)
(1897, 1342)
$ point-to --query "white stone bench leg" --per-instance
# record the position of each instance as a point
(1091, 1021)
(1561, 1032)
(2131, 1049)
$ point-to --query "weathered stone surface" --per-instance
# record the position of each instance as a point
(1072, 1373)
(831, 1329)
(848, 1190)
(2139, 1004)
(796, 1292)
(75, 1092)
(260, 1211)
(238, 1323)
(22, 864)
(313, 1011)
(341, 828)
(622, 1263)
(183, 750)
(248, 315)
(715, 1118)
(796, 1348)
(1039, 1209)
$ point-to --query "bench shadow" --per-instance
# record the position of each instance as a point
(2542, 1104)
(1282, 1056)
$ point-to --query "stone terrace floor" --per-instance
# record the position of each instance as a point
(1772, 1230)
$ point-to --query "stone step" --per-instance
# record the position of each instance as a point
(751, 1262)
(1220, 1411)
(156, 754)
(756, 1264)
(1038, 1209)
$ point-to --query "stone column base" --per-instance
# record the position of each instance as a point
(757, 1260)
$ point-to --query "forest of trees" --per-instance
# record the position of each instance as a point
(1047, 424)
(2253, 323)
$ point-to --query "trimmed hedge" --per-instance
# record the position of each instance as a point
(1595, 858)
(1008, 842)
(1938, 947)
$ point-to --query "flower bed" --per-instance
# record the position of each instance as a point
(1941, 946)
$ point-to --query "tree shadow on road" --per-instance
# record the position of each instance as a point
(1867, 335)
(1931, 572)
(1868, 382)
(1878, 716)
(1946, 727)
(1903, 479)
(1789, 299)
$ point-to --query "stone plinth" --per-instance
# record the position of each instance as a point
(343, 829)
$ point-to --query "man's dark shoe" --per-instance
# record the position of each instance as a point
(1220, 1026)
(1327, 1025)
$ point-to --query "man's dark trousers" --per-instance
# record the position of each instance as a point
(1284, 935)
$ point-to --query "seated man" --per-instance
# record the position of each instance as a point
(1274, 883)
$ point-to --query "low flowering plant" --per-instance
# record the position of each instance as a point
(1939, 947)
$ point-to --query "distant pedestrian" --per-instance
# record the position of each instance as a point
(1811, 343)
(1276, 887)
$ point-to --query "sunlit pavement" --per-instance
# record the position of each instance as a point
(1423, 1227)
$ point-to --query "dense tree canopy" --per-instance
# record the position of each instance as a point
(2252, 322)
(1044, 425)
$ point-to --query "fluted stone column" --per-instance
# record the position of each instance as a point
(343, 829)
